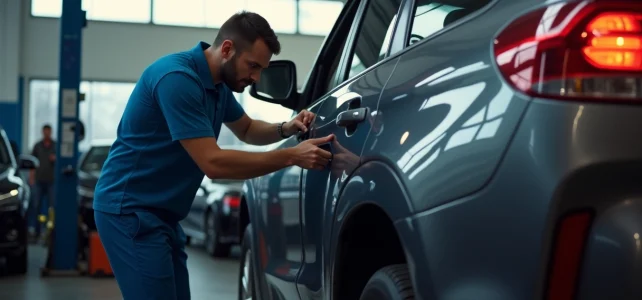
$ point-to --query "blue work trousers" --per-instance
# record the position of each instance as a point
(147, 255)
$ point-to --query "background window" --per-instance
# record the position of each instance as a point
(132, 11)
(100, 112)
(432, 16)
(104, 105)
(281, 14)
(376, 29)
(180, 12)
(218, 11)
(316, 17)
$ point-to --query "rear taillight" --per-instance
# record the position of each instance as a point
(583, 50)
(232, 201)
(566, 259)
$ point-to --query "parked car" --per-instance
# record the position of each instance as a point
(214, 215)
(14, 204)
(90, 166)
(483, 150)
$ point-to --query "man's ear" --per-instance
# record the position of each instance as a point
(227, 49)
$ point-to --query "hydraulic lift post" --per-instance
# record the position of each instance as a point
(64, 244)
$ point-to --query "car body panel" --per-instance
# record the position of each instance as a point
(571, 161)
(14, 201)
(474, 174)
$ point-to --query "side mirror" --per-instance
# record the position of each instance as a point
(277, 84)
(28, 162)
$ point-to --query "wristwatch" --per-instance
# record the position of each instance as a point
(279, 129)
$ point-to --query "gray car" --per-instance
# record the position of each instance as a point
(484, 150)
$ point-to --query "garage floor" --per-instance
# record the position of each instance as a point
(208, 277)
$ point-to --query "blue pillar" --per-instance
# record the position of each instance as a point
(65, 243)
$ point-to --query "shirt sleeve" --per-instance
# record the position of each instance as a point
(233, 109)
(180, 98)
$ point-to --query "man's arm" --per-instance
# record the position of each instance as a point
(255, 132)
(181, 100)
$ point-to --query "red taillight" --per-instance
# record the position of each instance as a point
(566, 259)
(588, 50)
(232, 201)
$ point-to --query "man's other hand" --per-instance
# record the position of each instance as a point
(301, 123)
(308, 155)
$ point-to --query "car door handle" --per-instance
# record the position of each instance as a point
(351, 117)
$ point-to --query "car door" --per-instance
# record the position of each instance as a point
(348, 112)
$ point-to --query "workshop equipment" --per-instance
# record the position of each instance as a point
(98, 263)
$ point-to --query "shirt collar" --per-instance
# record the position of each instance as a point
(202, 67)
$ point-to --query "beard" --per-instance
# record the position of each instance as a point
(229, 75)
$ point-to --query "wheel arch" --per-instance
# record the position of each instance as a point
(375, 194)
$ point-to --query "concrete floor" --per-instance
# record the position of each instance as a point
(209, 278)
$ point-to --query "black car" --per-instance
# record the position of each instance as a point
(90, 166)
(214, 216)
(14, 204)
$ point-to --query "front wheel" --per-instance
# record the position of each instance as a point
(389, 283)
(246, 273)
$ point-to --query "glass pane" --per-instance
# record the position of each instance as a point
(430, 17)
(375, 31)
(281, 14)
(43, 109)
(46, 8)
(100, 112)
(261, 110)
(218, 11)
(316, 17)
(134, 11)
(180, 12)
(107, 104)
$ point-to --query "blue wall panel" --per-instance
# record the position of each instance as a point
(11, 116)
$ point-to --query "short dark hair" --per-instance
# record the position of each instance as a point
(46, 126)
(244, 28)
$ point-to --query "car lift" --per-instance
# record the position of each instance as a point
(63, 228)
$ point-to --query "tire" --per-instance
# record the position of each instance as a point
(246, 280)
(212, 244)
(17, 264)
(389, 283)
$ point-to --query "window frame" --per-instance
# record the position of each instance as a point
(349, 50)
(403, 46)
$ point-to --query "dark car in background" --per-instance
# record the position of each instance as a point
(90, 166)
(484, 149)
(14, 204)
(214, 215)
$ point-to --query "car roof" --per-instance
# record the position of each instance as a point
(101, 143)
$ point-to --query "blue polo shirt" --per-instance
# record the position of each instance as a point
(147, 167)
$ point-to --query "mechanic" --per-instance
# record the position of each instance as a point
(166, 142)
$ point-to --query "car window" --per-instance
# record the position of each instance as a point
(431, 16)
(374, 34)
(95, 159)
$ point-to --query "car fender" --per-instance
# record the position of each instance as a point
(375, 183)
(253, 205)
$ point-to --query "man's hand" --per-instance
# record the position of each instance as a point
(308, 155)
(301, 123)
